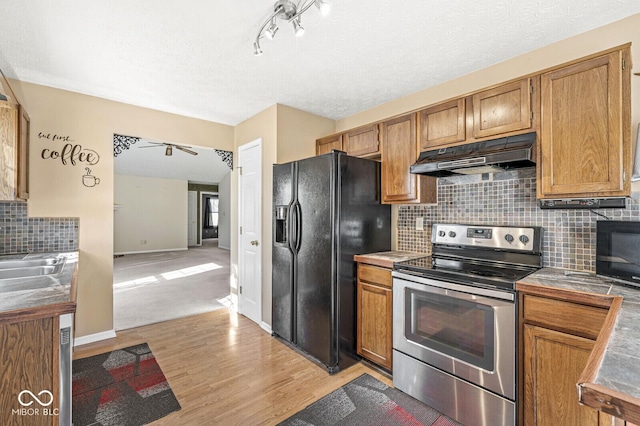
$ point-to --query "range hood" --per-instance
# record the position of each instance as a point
(478, 157)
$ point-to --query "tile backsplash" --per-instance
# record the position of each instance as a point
(20, 233)
(509, 198)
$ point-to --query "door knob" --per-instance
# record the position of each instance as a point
(254, 242)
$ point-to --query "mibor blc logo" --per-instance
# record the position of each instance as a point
(43, 400)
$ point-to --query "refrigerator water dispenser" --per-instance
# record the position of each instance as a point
(281, 224)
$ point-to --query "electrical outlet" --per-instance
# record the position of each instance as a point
(419, 223)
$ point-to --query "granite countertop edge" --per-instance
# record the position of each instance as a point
(386, 259)
(619, 370)
(54, 293)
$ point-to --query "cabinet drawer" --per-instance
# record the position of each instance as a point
(573, 318)
(374, 275)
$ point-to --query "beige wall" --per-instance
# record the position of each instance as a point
(151, 214)
(298, 131)
(57, 190)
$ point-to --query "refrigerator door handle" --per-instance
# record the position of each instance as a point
(298, 226)
(291, 236)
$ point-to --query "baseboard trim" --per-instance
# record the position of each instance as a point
(150, 251)
(224, 247)
(266, 327)
(92, 338)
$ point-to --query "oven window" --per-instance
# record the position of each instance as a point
(458, 328)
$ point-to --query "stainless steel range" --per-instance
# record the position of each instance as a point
(454, 320)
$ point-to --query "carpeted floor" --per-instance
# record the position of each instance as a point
(367, 401)
(125, 387)
(155, 287)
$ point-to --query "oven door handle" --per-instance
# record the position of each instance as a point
(477, 291)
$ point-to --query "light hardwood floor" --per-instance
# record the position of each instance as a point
(225, 370)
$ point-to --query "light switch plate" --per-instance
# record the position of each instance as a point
(419, 223)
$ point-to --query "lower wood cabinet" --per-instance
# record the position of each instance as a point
(28, 362)
(553, 364)
(557, 339)
(374, 314)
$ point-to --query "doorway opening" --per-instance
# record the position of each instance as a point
(159, 273)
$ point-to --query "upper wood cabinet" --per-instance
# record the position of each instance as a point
(8, 151)
(362, 141)
(585, 143)
(399, 151)
(14, 145)
(24, 134)
(442, 124)
(327, 144)
(503, 109)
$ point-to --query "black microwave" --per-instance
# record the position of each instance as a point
(618, 250)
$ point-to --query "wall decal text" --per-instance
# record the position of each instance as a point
(72, 154)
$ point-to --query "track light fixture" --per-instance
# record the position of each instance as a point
(287, 10)
(169, 150)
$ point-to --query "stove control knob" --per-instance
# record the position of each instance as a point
(524, 239)
(509, 238)
(452, 234)
(441, 233)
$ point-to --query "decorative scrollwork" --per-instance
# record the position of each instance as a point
(122, 143)
(227, 157)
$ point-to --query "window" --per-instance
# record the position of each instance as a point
(211, 213)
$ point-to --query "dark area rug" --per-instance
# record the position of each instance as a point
(368, 401)
(125, 387)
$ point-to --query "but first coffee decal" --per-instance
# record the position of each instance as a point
(67, 152)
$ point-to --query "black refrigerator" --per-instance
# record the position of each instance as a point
(326, 209)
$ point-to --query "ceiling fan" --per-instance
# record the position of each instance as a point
(169, 148)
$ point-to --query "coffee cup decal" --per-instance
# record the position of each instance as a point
(89, 180)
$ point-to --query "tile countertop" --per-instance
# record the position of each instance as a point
(45, 294)
(386, 259)
(615, 389)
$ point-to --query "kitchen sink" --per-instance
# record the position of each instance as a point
(27, 263)
(24, 268)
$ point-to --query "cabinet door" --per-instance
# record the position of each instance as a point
(362, 141)
(399, 152)
(585, 148)
(443, 124)
(23, 154)
(374, 338)
(8, 151)
(553, 362)
(29, 362)
(328, 144)
(502, 109)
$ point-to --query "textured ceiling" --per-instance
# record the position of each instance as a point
(195, 57)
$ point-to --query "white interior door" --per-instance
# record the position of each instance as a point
(192, 217)
(249, 240)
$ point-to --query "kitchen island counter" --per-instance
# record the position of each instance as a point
(611, 379)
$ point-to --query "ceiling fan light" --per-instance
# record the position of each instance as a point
(298, 29)
(169, 150)
(270, 33)
(323, 7)
(256, 49)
